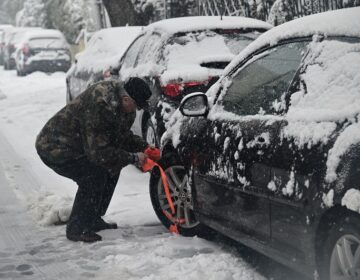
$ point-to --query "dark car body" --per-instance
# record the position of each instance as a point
(43, 50)
(274, 159)
(183, 55)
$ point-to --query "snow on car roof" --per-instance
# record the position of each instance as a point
(187, 24)
(106, 47)
(344, 22)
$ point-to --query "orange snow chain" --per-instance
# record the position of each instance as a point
(149, 165)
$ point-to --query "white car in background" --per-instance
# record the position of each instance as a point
(102, 54)
(13, 37)
(43, 50)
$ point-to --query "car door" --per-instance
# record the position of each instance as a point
(242, 137)
(300, 191)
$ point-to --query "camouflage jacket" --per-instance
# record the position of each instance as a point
(93, 126)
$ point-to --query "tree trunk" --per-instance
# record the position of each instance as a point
(122, 12)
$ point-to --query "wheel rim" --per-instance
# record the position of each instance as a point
(180, 192)
(345, 259)
(150, 135)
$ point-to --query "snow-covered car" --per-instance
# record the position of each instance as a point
(102, 54)
(43, 50)
(3, 29)
(12, 40)
(270, 155)
(182, 55)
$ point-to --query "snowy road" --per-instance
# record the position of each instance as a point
(32, 198)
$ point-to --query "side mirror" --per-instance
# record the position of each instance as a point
(194, 105)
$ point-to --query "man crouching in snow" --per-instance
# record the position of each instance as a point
(90, 141)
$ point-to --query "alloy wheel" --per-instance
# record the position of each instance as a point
(345, 259)
(181, 196)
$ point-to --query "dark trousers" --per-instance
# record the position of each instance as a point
(96, 187)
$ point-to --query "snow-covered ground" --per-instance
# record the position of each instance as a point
(33, 197)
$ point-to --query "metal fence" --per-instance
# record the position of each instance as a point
(261, 9)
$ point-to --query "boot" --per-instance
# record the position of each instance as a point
(85, 236)
(100, 224)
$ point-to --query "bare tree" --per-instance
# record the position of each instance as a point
(123, 12)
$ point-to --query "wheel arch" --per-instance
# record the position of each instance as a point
(327, 220)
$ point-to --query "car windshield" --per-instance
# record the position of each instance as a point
(46, 43)
(236, 40)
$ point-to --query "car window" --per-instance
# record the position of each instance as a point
(327, 86)
(131, 54)
(260, 87)
(150, 50)
(52, 43)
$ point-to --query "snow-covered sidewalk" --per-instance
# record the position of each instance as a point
(33, 197)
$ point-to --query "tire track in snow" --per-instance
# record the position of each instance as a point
(20, 237)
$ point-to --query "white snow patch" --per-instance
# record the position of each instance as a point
(288, 190)
(173, 128)
(226, 143)
(347, 138)
(309, 134)
(187, 24)
(328, 198)
(351, 200)
(50, 209)
(236, 155)
(271, 186)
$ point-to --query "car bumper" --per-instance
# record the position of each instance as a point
(47, 66)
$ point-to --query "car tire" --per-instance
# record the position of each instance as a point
(341, 245)
(182, 198)
(19, 73)
(150, 134)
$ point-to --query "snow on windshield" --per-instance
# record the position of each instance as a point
(45, 43)
(195, 55)
(329, 94)
(332, 83)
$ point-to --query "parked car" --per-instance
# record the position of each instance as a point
(182, 55)
(102, 54)
(270, 155)
(12, 40)
(3, 29)
(42, 50)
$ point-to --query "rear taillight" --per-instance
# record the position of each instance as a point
(25, 49)
(176, 89)
(172, 90)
